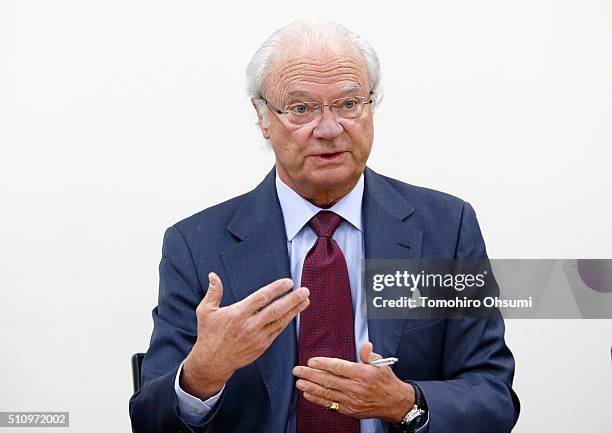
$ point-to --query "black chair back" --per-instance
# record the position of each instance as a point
(136, 365)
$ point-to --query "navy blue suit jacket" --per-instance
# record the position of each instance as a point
(463, 367)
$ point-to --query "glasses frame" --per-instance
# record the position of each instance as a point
(318, 106)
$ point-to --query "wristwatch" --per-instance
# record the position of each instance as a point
(414, 418)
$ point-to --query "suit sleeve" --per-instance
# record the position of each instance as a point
(154, 408)
(475, 394)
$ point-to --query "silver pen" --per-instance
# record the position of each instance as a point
(383, 362)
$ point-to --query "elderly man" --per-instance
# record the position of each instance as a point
(260, 325)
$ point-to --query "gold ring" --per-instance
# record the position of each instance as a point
(335, 406)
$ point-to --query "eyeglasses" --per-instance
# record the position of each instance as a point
(300, 113)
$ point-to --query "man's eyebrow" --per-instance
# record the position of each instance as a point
(349, 88)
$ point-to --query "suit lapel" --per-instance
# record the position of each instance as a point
(388, 234)
(258, 259)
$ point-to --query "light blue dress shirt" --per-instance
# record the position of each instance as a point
(297, 211)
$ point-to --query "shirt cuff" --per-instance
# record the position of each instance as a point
(191, 409)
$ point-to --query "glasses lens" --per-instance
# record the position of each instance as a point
(349, 108)
(301, 112)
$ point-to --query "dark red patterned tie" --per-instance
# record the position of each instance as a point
(326, 326)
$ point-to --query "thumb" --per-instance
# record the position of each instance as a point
(215, 290)
(367, 354)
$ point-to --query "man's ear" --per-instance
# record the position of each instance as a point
(265, 131)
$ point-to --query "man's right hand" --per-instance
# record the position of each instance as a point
(234, 336)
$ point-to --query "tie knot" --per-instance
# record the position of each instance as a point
(325, 223)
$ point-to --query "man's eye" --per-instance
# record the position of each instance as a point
(350, 104)
(299, 109)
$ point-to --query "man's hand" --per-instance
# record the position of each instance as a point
(362, 390)
(234, 336)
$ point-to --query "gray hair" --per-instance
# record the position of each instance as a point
(311, 31)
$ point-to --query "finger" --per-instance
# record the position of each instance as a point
(277, 309)
(339, 367)
(325, 403)
(364, 352)
(276, 327)
(215, 290)
(326, 394)
(328, 380)
(262, 297)
(367, 354)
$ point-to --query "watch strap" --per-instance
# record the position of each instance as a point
(419, 400)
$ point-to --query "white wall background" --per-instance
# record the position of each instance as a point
(118, 118)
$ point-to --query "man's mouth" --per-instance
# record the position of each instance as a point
(330, 156)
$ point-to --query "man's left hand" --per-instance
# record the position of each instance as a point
(360, 389)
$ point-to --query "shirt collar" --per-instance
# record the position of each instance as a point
(297, 211)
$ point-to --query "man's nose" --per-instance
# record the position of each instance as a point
(328, 127)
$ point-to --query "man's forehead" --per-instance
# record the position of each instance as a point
(296, 73)
(296, 54)
(324, 49)
(298, 90)
(317, 58)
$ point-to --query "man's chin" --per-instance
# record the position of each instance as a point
(336, 177)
